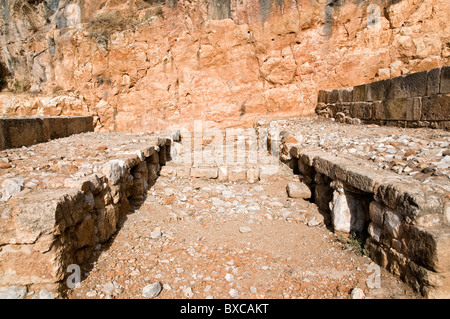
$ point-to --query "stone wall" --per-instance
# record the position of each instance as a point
(43, 230)
(406, 222)
(419, 99)
(24, 131)
(139, 64)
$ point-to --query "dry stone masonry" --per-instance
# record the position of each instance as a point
(57, 207)
(404, 211)
(415, 100)
(25, 131)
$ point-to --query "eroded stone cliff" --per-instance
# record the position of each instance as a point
(146, 65)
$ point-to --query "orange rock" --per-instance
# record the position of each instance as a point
(5, 165)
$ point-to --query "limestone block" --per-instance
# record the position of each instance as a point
(361, 110)
(114, 170)
(332, 96)
(168, 171)
(84, 232)
(183, 171)
(252, 174)
(429, 247)
(445, 80)
(393, 223)
(401, 109)
(107, 219)
(347, 212)
(359, 93)
(345, 95)
(237, 173)
(321, 96)
(11, 186)
(408, 86)
(378, 91)
(374, 232)
(376, 213)
(433, 81)
(436, 107)
(222, 173)
(204, 172)
(298, 190)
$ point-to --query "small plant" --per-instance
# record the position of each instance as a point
(355, 242)
(18, 86)
(57, 89)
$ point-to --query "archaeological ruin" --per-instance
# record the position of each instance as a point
(224, 149)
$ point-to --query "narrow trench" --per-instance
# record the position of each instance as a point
(231, 240)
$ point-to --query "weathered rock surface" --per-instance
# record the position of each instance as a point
(189, 60)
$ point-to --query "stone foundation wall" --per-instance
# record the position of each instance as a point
(407, 223)
(419, 99)
(44, 231)
(24, 131)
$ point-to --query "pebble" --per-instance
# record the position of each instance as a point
(156, 233)
(357, 293)
(152, 290)
(233, 293)
(188, 293)
(244, 229)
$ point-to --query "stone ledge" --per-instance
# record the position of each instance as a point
(406, 220)
(44, 228)
(24, 131)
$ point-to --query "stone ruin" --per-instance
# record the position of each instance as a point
(56, 210)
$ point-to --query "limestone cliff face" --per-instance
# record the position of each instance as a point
(146, 65)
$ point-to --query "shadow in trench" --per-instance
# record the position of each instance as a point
(134, 203)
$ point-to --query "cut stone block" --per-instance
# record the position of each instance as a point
(345, 95)
(436, 108)
(378, 91)
(168, 171)
(359, 93)
(237, 174)
(204, 172)
(252, 174)
(433, 81)
(445, 80)
(408, 86)
(298, 190)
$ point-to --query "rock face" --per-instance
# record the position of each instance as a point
(139, 64)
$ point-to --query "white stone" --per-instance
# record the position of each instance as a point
(114, 170)
(357, 293)
(233, 293)
(374, 231)
(392, 223)
(11, 186)
(188, 293)
(152, 290)
(298, 190)
(156, 233)
(13, 292)
(347, 213)
(244, 229)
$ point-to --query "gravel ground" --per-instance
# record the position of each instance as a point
(205, 239)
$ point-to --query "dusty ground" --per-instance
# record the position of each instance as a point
(229, 240)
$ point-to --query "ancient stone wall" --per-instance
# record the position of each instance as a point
(140, 64)
(405, 221)
(24, 131)
(47, 226)
(419, 99)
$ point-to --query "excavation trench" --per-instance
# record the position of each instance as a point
(203, 232)
(145, 213)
